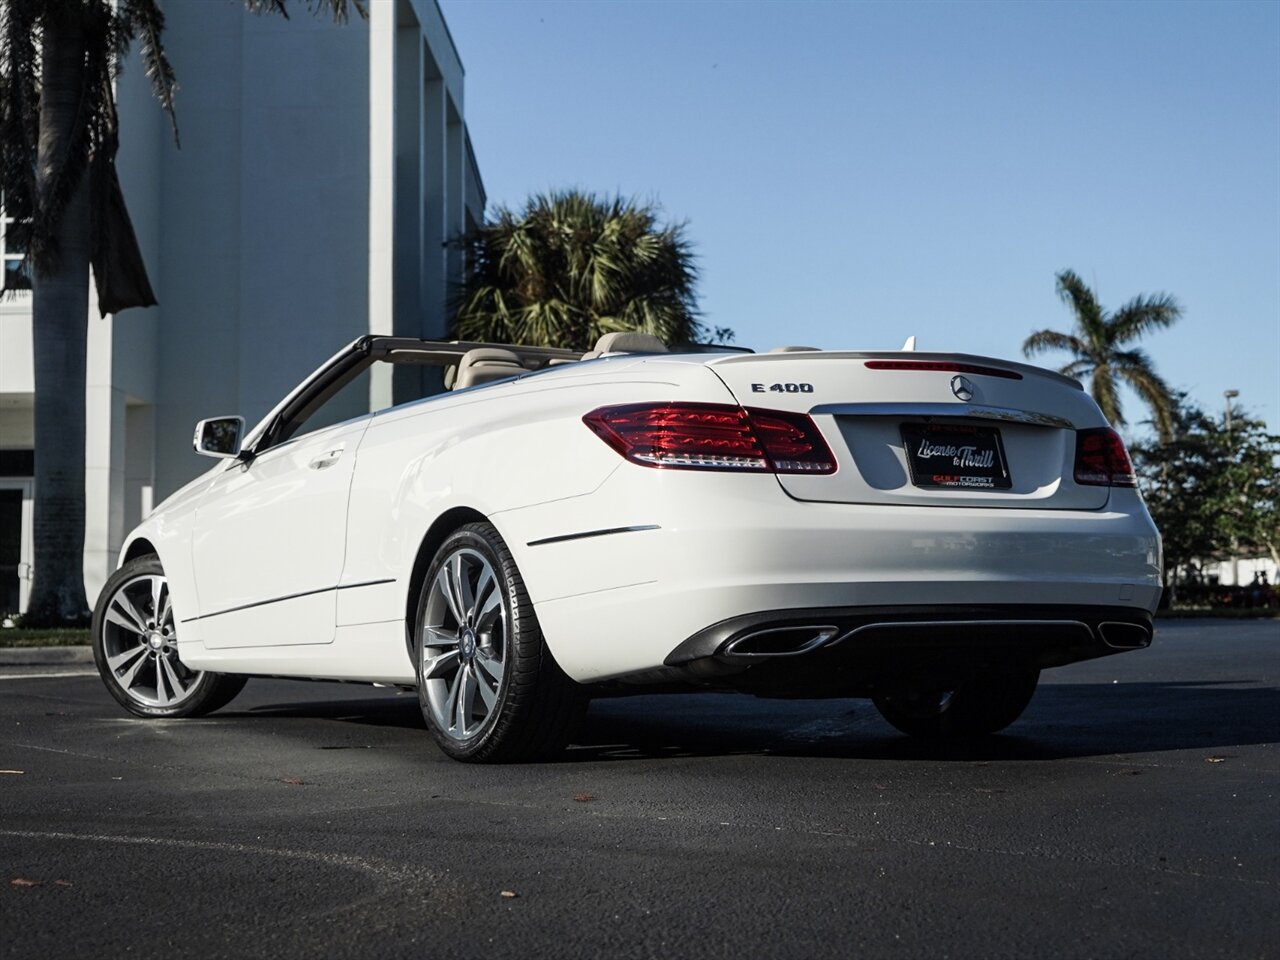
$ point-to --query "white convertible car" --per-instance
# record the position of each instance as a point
(516, 529)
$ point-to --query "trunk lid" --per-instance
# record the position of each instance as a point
(928, 429)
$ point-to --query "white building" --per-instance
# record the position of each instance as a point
(321, 171)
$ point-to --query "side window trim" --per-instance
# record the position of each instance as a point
(285, 425)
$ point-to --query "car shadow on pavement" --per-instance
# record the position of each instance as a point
(1063, 720)
(1069, 720)
(381, 711)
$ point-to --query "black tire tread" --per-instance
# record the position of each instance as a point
(541, 706)
(983, 706)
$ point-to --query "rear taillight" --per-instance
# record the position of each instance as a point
(713, 436)
(1102, 460)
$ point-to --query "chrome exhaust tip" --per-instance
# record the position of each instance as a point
(780, 641)
(1124, 636)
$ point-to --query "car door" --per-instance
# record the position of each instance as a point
(269, 541)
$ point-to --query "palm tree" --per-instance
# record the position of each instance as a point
(1098, 344)
(58, 134)
(573, 266)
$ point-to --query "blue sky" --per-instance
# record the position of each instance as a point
(852, 173)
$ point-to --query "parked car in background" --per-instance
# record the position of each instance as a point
(515, 529)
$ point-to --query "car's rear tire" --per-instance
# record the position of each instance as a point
(984, 704)
(489, 688)
(136, 648)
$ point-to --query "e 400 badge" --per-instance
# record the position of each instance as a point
(782, 388)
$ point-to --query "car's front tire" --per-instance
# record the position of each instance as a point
(984, 704)
(135, 645)
(487, 684)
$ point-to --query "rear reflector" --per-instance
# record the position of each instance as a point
(713, 436)
(942, 366)
(1102, 460)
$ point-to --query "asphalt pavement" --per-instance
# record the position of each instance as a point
(1132, 812)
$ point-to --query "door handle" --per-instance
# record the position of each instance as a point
(327, 459)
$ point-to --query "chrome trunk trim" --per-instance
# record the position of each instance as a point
(950, 410)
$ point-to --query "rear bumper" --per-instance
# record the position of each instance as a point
(851, 651)
(694, 551)
(1077, 633)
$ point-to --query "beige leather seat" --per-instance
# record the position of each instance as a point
(626, 341)
(484, 365)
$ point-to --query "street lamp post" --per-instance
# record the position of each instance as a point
(1228, 396)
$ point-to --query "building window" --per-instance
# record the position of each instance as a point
(11, 254)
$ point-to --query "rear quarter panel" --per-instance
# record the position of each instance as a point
(498, 450)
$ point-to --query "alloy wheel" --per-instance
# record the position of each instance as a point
(139, 643)
(463, 644)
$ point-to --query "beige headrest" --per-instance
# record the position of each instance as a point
(792, 349)
(484, 365)
(629, 341)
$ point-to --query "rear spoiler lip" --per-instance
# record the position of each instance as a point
(1023, 368)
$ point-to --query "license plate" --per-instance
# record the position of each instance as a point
(955, 456)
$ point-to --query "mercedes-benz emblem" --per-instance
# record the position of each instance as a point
(962, 388)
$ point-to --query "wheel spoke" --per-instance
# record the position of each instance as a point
(445, 588)
(179, 688)
(123, 613)
(488, 695)
(438, 666)
(161, 693)
(126, 678)
(489, 610)
(157, 587)
(440, 637)
(466, 698)
(119, 661)
(492, 665)
(451, 702)
(484, 588)
(462, 587)
(165, 617)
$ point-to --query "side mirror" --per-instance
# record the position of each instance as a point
(219, 437)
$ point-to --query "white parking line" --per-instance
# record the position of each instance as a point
(47, 676)
(381, 869)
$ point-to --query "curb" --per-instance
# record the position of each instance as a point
(44, 656)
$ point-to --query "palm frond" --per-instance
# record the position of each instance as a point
(1077, 368)
(1143, 314)
(1043, 340)
(572, 266)
(20, 36)
(338, 10)
(1135, 368)
(278, 7)
(58, 124)
(1096, 343)
(1103, 388)
(1076, 294)
(142, 20)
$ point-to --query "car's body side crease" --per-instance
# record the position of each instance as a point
(565, 537)
(291, 596)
